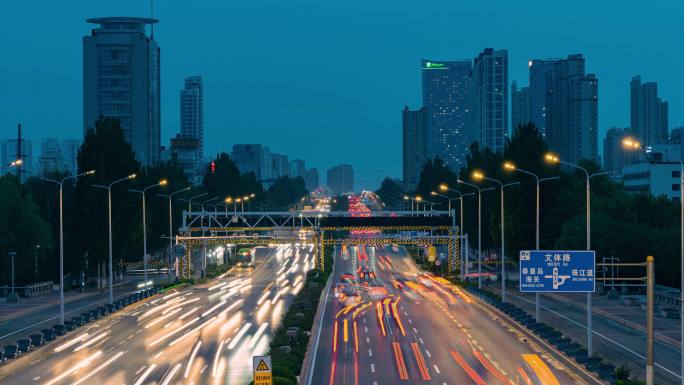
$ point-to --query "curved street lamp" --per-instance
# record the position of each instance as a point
(162, 182)
(109, 216)
(512, 167)
(555, 159)
(61, 236)
(480, 176)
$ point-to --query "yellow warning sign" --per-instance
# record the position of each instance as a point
(262, 370)
(262, 367)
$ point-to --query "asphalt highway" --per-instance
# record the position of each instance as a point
(404, 326)
(200, 335)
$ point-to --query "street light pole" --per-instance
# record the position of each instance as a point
(555, 159)
(170, 196)
(513, 167)
(479, 230)
(109, 221)
(478, 175)
(61, 236)
(162, 182)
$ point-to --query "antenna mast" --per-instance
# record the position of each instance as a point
(152, 17)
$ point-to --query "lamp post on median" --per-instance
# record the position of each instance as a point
(480, 176)
(61, 236)
(170, 196)
(142, 192)
(479, 228)
(512, 167)
(555, 159)
(109, 216)
(445, 188)
(632, 144)
(194, 197)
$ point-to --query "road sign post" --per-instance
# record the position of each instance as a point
(547, 271)
(263, 370)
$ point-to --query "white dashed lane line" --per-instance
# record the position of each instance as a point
(427, 353)
(436, 369)
(421, 341)
(370, 353)
(372, 368)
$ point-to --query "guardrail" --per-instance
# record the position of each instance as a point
(28, 291)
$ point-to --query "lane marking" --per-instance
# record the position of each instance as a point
(436, 369)
(420, 360)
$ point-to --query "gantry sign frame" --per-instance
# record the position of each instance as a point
(206, 228)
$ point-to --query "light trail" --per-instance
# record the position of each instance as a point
(100, 367)
(420, 360)
(91, 341)
(80, 365)
(257, 335)
(335, 338)
(143, 377)
(192, 358)
(216, 358)
(399, 358)
(211, 310)
(263, 298)
(239, 336)
(71, 342)
(163, 317)
(467, 368)
(171, 374)
(194, 309)
(162, 338)
(205, 323)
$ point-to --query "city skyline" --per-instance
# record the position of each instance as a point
(386, 91)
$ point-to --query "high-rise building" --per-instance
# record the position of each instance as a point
(184, 150)
(340, 179)
(489, 99)
(58, 156)
(70, 149)
(311, 179)
(649, 114)
(537, 89)
(121, 80)
(572, 110)
(414, 139)
(188, 145)
(251, 158)
(280, 166)
(521, 108)
(297, 168)
(9, 153)
(192, 113)
(50, 159)
(615, 157)
(446, 85)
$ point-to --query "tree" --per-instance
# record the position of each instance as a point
(391, 193)
(285, 192)
(22, 229)
(106, 151)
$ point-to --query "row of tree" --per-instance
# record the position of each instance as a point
(29, 224)
(623, 225)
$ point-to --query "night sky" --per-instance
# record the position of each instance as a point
(326, 81)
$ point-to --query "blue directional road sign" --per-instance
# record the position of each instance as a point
(557, 271)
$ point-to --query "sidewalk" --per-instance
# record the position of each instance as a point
(13, 310)
(31, 315)
(615, 341)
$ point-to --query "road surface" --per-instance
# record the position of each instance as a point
(406, 327)
(200, 335)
